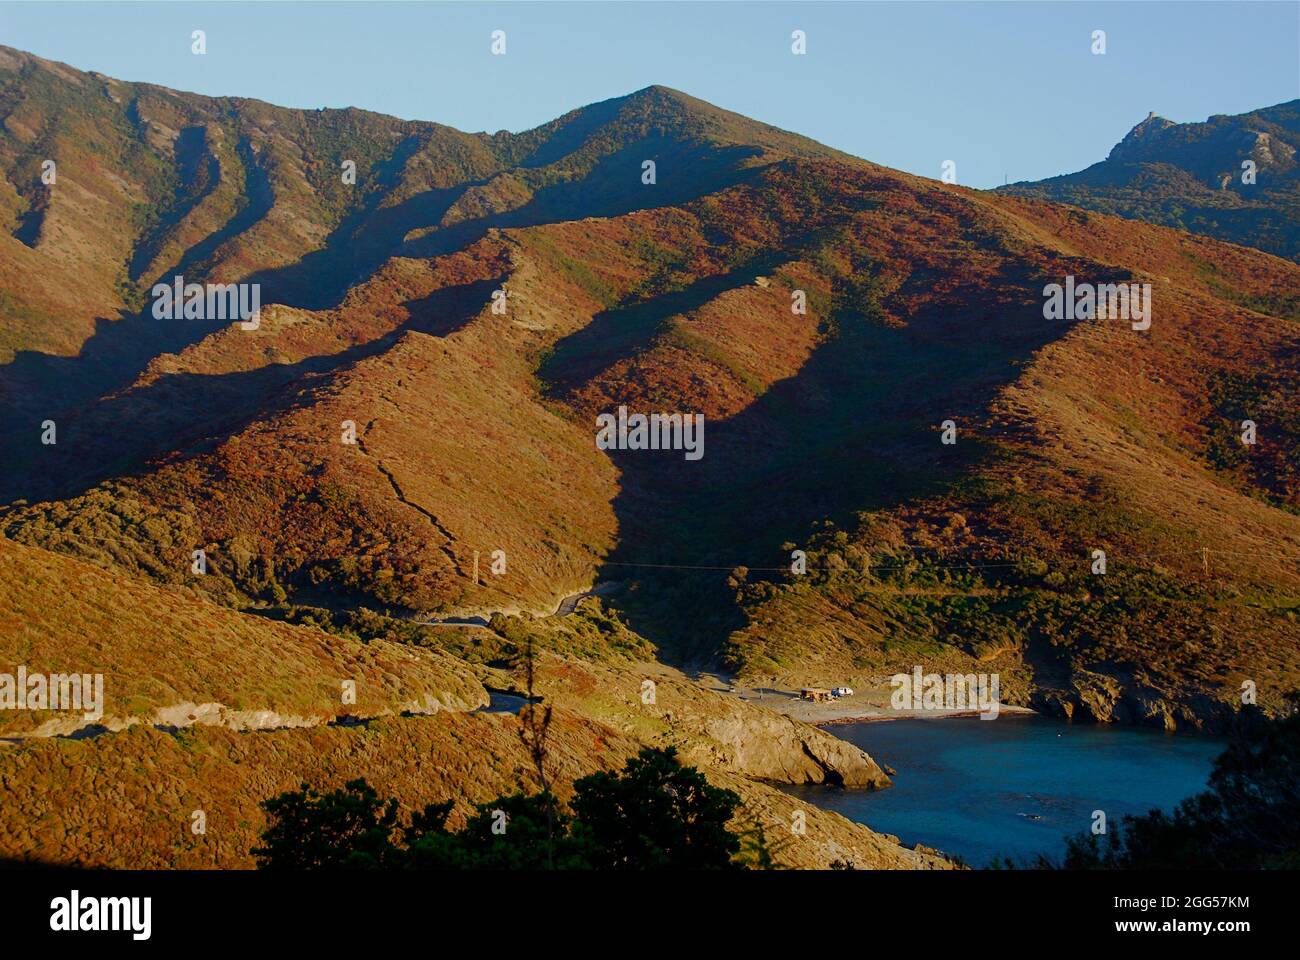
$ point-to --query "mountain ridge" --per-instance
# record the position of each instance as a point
(378, 481)
(924, 303)
(1191, 176)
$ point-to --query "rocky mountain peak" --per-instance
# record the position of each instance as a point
(1137, 140)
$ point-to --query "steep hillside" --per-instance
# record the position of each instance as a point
(411, 429)
(140, 789)
(208, 709)
(168, 657)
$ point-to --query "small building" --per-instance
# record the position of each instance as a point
(816, 695)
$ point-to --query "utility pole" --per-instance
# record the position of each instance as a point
(1205, 560)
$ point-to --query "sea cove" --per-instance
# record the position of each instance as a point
(1015, 786)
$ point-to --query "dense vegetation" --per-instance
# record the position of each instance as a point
(921, 305)
(655, 814)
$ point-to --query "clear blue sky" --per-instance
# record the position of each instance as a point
(1001, 88)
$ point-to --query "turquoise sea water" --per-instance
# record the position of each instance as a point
(1014, 786)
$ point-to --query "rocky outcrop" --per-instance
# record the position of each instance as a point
(769, 746)
(1101, 698)
(708, 728)
(1138, 142)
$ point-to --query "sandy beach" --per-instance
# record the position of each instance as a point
(862, 706)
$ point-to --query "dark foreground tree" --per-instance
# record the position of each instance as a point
(655, 814)
(518, 832)
(343, 829)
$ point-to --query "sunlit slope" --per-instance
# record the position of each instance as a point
(169, 657)
(420, 401)
(1111, 439)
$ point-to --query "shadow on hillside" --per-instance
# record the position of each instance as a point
(856, 429)
(570, 135)
(687, 170)
(362, 241)
(42, 385)
(45, 385)
(370, 236)
(32, 219)
(200, 174)
(623, 331)
(37, 386)
(260, 198)
(193, 412)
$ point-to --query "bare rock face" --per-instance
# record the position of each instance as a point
(773, 747)
(714, 730)
(1100, 698)
(1269, 152)
(1139, 140)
